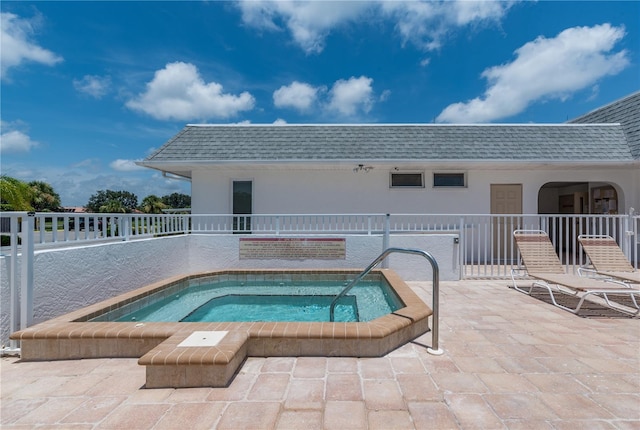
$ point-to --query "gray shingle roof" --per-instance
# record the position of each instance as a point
(626, 112)
(274, 143)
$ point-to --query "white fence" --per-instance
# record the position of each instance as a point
(486, 243)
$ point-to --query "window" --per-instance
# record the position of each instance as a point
(449, 180)
(242, 206)
(407, 180)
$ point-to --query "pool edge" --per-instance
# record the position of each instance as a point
(71, 336)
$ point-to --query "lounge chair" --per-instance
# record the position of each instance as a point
(541, 262)
(607, 258)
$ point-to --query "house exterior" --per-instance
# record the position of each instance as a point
(589, 165)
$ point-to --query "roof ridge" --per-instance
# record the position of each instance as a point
(606, 124)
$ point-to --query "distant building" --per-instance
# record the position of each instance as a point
(74, 209)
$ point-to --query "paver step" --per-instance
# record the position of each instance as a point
(195, 359)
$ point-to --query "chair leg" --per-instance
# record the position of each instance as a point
(583, 297)
(547, 287)
(616, 306)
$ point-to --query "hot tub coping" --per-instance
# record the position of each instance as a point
(72, 336)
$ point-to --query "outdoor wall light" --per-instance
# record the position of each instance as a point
(362, 168)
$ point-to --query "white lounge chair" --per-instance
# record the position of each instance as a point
(607, 258)
(542, 263)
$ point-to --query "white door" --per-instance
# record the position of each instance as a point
(505, 199)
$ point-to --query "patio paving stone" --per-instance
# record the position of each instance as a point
(472, 411)
(242, 416)
(199, 415)
(376, 368)
(270, 386)
(511, 362)
(385, 420)
(437, 415)
(345, 415)
(575, 406)
(278, 364)
(134, 416)
(305, 394)
(382, 394)
(93, 410)
(343, 386)
(310, 367)
(300, 419)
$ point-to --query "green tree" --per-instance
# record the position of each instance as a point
(152, 205)
(15, 195)
(113, 207)
(44, 198)
(104, 198)
(177, 201)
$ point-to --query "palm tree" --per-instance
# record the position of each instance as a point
(152, 205)
(15, 194)
(113, 207)
(44, 197)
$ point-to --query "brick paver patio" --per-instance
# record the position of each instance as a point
(511, 361)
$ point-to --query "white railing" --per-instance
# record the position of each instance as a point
(486, 243)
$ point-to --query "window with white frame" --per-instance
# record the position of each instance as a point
(406, 180)
(449, 180)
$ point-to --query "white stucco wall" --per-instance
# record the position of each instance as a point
(212, 252)
(291, 190)
(71, 278)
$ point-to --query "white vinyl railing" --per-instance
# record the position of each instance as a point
(486, 244)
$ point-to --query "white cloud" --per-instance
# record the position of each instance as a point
(347, 97)
(423, 23)
(279, 121)
(88, 164)
(13, 140)
(309, 22)
(464, 12)
(16, 141)
(544, 69)
(95, 86)
(178, 92)
(426, 23)
(297, 95)
(125, 165)
(17, 46)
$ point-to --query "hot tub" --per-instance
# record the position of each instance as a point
(96, 332)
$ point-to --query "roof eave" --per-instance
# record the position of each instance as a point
(188, 165)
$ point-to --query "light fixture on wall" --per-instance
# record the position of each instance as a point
(362, 168)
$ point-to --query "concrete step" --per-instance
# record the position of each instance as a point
(195, 359)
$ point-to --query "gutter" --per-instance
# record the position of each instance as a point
(176, 177)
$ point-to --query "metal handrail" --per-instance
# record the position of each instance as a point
(435, 296)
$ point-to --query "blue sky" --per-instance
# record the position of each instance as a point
(88, 88)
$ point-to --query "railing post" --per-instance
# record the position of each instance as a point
(26, 293)
(125, 224)
(14, 324)
(386, 238)
(435, 297)
(628, 232)
(462, 246)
